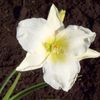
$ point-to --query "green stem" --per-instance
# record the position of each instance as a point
(11, 89)
(26, 91)
(6, 81)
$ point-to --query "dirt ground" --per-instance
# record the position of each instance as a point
(79, 12)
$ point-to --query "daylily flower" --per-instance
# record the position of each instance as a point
(54, 48)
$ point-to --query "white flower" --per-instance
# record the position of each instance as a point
(54, 48)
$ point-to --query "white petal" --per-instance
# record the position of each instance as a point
(53, 18)
(31, 62)
(89, 54)
(31, 33)
(61, 75)
(79, 39)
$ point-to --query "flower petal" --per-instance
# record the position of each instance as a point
(31, 62)
(31, 33)
(90, 53)
(79, 39)
(61, 75)
(53, 19)
(62, 15)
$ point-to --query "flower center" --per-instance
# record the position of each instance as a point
(57, 47)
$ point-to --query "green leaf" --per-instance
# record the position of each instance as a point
(28, 90)
(11, 89)
(6, 81)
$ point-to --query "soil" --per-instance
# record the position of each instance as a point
(79, 12)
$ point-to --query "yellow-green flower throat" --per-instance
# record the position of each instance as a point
(57, 47)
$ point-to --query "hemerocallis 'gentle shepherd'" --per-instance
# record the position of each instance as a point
(54, 48)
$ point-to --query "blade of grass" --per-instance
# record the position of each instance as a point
(6, 81)
(26, 91)
(11, 89)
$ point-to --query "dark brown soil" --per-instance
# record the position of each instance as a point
(79, 12)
